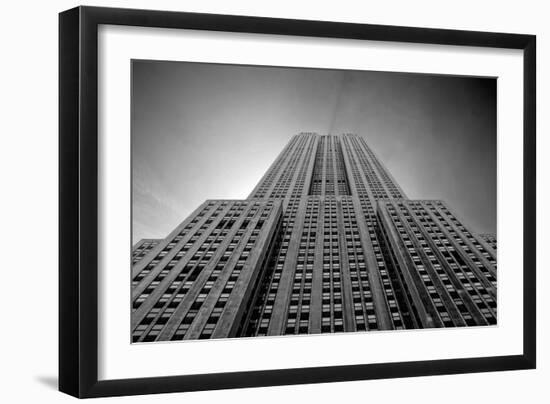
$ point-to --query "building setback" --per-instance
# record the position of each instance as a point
(450, 277)
(142, 248)
(490, 239)
(326, 242)
(200, 280)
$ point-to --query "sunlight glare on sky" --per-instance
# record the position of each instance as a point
(208, 131)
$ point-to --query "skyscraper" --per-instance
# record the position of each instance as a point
(326, 242)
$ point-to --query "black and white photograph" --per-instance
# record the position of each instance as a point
(280, 201)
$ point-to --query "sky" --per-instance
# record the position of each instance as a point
(210, 131)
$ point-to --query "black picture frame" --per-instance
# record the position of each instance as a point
(78, 200)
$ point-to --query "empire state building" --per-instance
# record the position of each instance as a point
(326, 242)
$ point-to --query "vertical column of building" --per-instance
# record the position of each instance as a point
(293, 300)
(284, 179)
(328, 169)
(273, 174)
(317, 177)
(329, 176)
(297, 204)
(369, 181)
(391, 188)
(292, 186)
(340, 190)
(340, 173)
(352, 234)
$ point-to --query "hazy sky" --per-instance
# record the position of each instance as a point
(204, 131)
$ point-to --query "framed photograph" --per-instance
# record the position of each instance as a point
(251, 201)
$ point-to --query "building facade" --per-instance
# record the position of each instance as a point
(326, 242)
(142, 248)
(490, 239)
